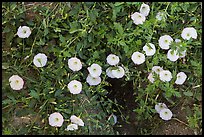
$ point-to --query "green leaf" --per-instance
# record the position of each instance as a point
(73, 30)
(188, 93)
(177, 94)
(118, 27)
(62, 39)
(5, 65)
(34, 94)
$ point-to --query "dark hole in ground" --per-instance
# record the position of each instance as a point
(124, 94)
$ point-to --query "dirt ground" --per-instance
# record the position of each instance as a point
(124, 96)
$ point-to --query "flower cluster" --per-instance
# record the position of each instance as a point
(163, 111)
(57, 120)
(95, 71)
(140, 17)
(165, 41)
(76, 121)
(116, 71)
(165, 75)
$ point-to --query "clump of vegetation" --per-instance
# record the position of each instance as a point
(58, 58)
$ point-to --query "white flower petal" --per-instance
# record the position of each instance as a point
(165, 76)
(40, 60)
(149, 51)
(138, 18)
(165, 114)
(157, 69)
(172, 55)
(74, 64)
(95, 70)
(109, 72)
(138, 58)
(112, 59)
(151, 78)
(71, 127)
(16, 82)
(119, 72)
(93, 81)
(181, 78)
(76, 120)
(160, 16)
(188, 33)
(144, 9)
(24, 32)
(75, 87)
(182, 54)
(56, 119)
(158, 107)
(165, 41)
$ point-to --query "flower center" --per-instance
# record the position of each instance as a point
(24, 31)
(165, 113)
(188, 34)
(94, 69)
(118, 70)
(138, 56)
(158, 70)
(17, 81)
(75, 86)
(75, 62)
(179, 76)
(139, 16)
(166, 41)
(56, 119)
(113, 58)
(165, 74)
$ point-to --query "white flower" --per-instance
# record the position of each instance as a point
(151, 78)
(76, 120)
(157, 69)
(93, 81)
(138, 58)
(40, 60)
(95, 70)
(181, 78)
(119, 72)
(109, 72)
(165, 114)
(158, 107)
(72, 127)
(160, 16)
(114, 118)
(74, 64)
(144, 9)
(24, 32)
(177, 40)
(165, 41)
(165, 76)
(182, 54)
(188, 33)
(172, 55)
(75, 87)
(149, 50)
(56, 119)
(112, 59)
(16, 82)
(138, 18)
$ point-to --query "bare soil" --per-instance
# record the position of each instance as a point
(125, 97)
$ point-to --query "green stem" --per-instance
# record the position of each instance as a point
(180, 121)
